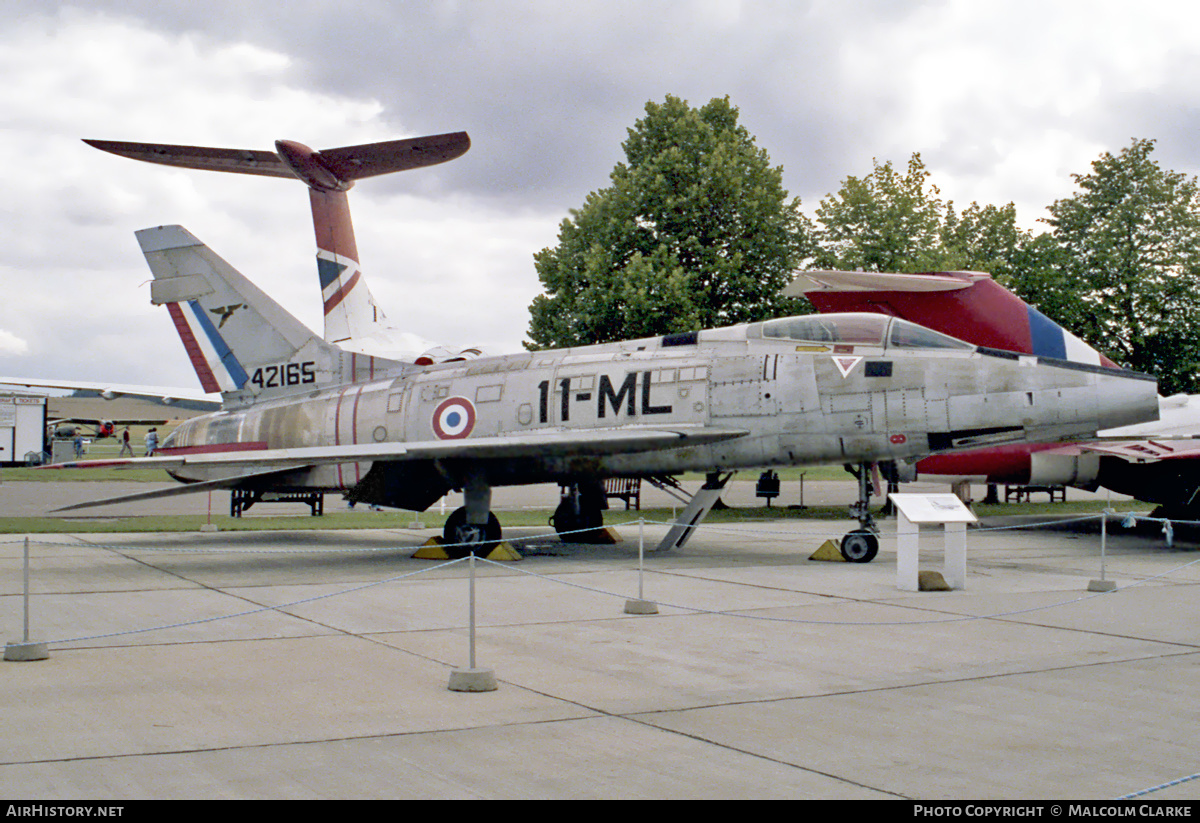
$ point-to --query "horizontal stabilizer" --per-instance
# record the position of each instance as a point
(172, 491)
(346, 164)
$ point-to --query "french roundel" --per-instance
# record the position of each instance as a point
(454, 418)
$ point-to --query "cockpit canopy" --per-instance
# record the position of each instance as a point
(859, 329)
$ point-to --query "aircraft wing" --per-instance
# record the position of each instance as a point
(108, 391)
(247, 464)
(116, 421)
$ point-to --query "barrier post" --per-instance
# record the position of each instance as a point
(25, 650)
(1103, 584)
(641, 605)
(472, 678)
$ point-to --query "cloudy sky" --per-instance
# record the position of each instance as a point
(1004, 101)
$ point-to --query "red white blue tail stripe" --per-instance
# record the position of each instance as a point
(339, 275)
(215, 363)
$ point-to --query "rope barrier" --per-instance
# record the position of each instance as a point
(1158, 787)
(714, 528)
(942, 621)
(570, 584)
(259, 610)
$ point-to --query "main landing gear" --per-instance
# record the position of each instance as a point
(862, 544)
(472, 529)
(579, 517)
(463, 538)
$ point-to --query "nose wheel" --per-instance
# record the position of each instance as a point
(860, 546)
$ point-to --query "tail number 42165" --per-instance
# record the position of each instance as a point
(285, 374)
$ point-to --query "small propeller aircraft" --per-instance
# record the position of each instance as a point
(301, 413)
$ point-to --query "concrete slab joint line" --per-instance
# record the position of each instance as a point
(268, 707)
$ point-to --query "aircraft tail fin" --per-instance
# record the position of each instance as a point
(968, 305)
(352, 318)
(240, 341)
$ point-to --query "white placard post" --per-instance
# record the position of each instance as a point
(916, 509)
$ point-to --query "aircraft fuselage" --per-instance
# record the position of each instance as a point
(898, 395)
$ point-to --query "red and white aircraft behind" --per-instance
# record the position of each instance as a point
(1155, 462)
(353, 321)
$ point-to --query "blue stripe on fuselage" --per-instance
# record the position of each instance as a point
(228, 358)
(1046, 336)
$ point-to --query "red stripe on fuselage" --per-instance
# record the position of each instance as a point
(998, 464)
(354, 434)
(214, 448)
(337, 431)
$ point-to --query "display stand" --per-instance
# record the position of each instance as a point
(915, 510)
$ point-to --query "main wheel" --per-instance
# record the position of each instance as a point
(463, 538)
(860, 546)
(576, 526)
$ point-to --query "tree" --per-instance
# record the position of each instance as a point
(890, 221)
(695, 231)
(1126, 265)
(982, 238)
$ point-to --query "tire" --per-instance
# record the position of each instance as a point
(860, 546)
(456, 532)
(570, 524)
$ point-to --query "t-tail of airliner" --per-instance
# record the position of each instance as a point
(352, 319)
(240, 341)
(968, 305)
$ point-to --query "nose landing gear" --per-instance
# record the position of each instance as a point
(862, 544)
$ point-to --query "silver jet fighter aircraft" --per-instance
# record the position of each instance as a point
(302, 414)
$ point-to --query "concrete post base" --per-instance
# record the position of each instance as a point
(472, 680)
(26, 651)
(641, 607)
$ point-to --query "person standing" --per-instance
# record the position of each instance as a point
(151, 441)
